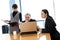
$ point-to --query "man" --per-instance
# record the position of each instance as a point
(28, 18)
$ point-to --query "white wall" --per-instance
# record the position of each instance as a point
(34, 7)
(4, 11)
(57, 12)
(4, 14)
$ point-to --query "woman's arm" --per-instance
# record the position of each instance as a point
(20, 17)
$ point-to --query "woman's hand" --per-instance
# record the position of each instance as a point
(6, 21)
(40, 30)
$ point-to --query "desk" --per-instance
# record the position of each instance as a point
(30, 36)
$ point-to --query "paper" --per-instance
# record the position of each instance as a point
(42, 38)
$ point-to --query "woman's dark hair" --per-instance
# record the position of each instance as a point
(46, 11)
(14, 6)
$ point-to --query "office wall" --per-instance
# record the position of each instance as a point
(34, 7)
(57, 12)
(4, 11)
(4, 14)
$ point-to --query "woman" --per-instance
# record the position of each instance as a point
(50, 25)
(15, 17)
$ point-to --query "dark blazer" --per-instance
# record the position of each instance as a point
(50, 26)
(31, 20)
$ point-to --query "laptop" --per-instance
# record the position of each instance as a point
(28, 28)
(41, 24)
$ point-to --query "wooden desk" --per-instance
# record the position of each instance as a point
(30, 36)
(47, 35)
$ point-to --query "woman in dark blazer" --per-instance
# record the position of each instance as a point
(50, 25)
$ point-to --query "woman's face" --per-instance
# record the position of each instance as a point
(15, 9)
(43, 15)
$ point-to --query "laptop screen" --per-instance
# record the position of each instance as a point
(41, 24)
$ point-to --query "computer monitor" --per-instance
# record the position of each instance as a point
(41, 24)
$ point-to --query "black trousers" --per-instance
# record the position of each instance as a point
(55, 36)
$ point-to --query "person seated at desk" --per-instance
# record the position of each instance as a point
(50, 25)
(28, 18)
